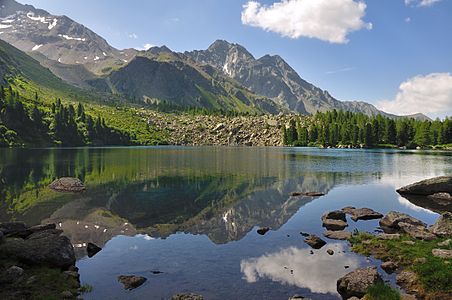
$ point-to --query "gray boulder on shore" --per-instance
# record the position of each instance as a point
(443, 226)
(41, 246)
(356, 283)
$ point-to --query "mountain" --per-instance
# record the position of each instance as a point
(273, 77)
(57, 38)
(225, 76)
(160, 76)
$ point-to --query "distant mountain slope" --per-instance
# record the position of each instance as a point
(272, 77)
(57, 38)
(160, 76)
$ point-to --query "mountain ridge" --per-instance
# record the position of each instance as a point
(79, 56)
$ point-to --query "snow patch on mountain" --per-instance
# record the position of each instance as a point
(36, 47)
(5, 26)
(72, 38)
(53, 24)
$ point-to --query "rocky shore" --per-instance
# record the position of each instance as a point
(198, 130)
(37, 262)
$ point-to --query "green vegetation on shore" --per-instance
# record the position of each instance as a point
(381, 291)
(434, 274)
(337, 128)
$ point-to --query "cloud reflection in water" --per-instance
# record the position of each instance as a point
(317, 272)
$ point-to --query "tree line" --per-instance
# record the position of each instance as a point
(62, 125)
(336, 128)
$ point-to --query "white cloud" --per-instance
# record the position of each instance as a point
(347, 69)
(407, 19)
(429, 94)
(133, 36)
(327, 20)
(421, 2)
(147, 46)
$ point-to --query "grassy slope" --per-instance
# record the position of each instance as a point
(28, 77)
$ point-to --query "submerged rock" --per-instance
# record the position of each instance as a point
(442, 184)
(263, 230)
(92, 249)
(356, 283)
(187, 296)
(298, 297)
(337, 235)
(443, 226)
(131, 282)
(393, 218)
(314, 241)
(67, 184)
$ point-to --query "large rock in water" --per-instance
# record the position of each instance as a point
(356, 283)
(362, 213)
(67, 184)
(188, 296)
(427, 187)
(51, 250)
(443, 226)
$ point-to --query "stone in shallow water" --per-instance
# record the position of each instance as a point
(67, 184)
(356, 283)
(363, 214)
(334, 215)
(263, 230)
(314, 241)
(92, 249)
(331, 224)
(187, 296)
(337, 235)
(131, 282)
(389, 267)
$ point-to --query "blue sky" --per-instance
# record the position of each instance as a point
(396, 54)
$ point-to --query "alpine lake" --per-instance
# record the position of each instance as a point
(187, 218)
